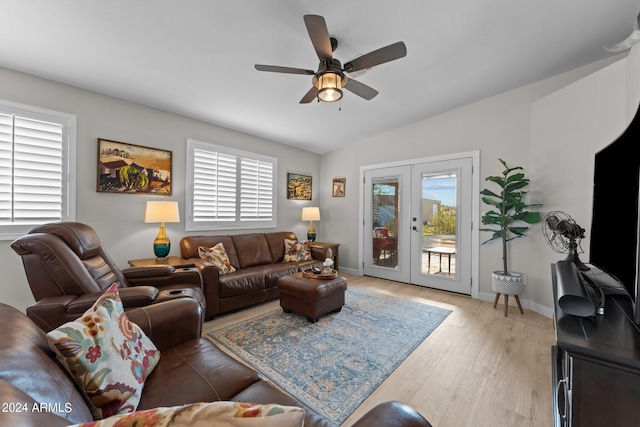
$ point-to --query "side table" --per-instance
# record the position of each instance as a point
(334, 251)
(173, 261)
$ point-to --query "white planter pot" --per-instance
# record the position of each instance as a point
(509, 284)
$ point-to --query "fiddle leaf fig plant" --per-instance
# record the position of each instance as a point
(509, 218)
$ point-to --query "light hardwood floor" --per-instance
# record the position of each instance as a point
(478, 368)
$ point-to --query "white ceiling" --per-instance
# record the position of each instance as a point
(196, 57)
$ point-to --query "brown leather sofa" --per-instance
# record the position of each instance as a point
(37, 391)
(68, 269)
(257, 259)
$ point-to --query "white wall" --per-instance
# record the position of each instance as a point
(118, 218)
(552, 128)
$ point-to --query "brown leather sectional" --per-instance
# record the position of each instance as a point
(257, 258)
(37, 391)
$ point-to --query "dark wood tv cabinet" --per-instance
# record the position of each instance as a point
(596, 366)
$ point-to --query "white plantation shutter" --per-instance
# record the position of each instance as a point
(256, 192)
(34, 168)
(214, 186)
(229, 189)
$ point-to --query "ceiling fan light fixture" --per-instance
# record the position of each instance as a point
(330, 86)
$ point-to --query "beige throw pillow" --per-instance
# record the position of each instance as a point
(108, 356)
(218, 256)
(218, 414)
(295, 251)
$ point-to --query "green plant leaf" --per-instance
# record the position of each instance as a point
(510, 206)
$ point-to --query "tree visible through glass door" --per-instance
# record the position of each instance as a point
(439, 223)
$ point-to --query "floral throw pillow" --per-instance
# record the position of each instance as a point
(296, 251)
(108, 356)
(218, 256)
(227, 414)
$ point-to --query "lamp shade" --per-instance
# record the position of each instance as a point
(162, 211)
(311, 213)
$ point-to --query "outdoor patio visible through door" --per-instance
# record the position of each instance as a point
(417, 223)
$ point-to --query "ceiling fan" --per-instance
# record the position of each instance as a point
(330, 78)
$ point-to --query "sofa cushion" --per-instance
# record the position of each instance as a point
(195, 371)
(243, 281)
(276, 243)
(107, 355)
(273, 272)
(217, 255)
(189, 247)
(252, 249)
(204, 414)
(295, 251)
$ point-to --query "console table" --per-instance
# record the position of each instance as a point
(173, 261)
(596, 366)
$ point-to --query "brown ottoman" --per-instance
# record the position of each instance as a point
(312, 298)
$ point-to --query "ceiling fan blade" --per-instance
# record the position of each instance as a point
(309, 96)
(380, 56)
(361, 89)
(317, 29)
(287, 70)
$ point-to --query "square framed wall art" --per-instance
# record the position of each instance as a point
(133, 169)
(298, 186)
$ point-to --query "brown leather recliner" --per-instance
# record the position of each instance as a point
(68, 269)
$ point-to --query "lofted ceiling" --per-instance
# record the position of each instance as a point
(196, 58)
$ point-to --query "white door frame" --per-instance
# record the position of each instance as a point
(475, 209)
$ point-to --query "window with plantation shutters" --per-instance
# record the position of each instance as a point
(229, 189)
(36, 162)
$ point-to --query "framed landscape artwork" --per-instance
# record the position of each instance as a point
(133, 169)
(298, 186)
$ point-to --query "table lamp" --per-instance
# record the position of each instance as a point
(161, 211)
(311, 214)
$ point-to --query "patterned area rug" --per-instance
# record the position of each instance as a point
(334, 364)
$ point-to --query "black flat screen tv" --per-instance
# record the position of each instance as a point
(614, 246)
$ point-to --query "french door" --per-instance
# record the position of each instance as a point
(417, 223)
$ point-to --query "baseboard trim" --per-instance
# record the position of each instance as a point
(485, 296)
(540, 309)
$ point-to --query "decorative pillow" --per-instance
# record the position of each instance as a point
(218, 256)
(107, 355)
(297, 251)
(221, 414)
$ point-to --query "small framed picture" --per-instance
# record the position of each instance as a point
(339, 187)
(298, 187)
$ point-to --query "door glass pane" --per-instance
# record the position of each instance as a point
(385, 221)
(439, 224)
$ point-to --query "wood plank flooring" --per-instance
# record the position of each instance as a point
(477, 368)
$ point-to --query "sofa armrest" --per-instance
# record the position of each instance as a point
(131, 297)
(169, 323)
(164, 275)
(147, 272)
(22, 413)
(210, 285)
(392, 414)
(320, 254)
(51, 312)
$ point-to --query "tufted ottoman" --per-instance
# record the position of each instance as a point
(312, 298)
